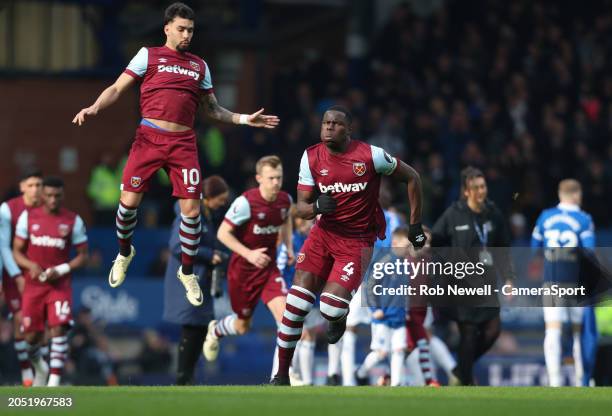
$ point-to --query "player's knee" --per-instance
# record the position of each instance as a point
(32, 337)
(382, 354)
(131, 199)
(242, 326)
(333, 307)
(191, 212)
(59, 331)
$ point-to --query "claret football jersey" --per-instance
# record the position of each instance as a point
(172, 83)
(353, 179)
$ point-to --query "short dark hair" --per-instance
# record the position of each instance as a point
(214, 186)
(343, 110)
(31, 172)
(53, 182)
(178, 9)
(468, 174)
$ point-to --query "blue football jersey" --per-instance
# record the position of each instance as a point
(561, 231)
(394, 307)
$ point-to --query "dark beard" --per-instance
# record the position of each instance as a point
(180, 48)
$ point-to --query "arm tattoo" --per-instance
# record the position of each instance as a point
(215, 111)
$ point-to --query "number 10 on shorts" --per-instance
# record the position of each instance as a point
(191, 176)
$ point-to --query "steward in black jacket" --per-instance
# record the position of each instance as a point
(474, 230)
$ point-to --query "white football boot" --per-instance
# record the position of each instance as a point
(119, 269)
(190, 281)
(211, 344)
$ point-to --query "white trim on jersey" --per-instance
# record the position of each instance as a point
(206, 83)
(79, 235)
(139, 62)
(21, 230)
(239, 212)
(384, 163)
(305, 177)
(536, 234)
(5, 242)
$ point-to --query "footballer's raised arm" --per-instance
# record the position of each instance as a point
(215, 111)
(108, 97)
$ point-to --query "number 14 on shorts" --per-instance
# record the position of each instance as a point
(62, 308)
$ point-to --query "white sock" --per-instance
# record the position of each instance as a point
(370, 361)
(295, 361)
(552, 355)
(274, 363)
(57, 357)
(226, 326)
(54, 380)
(578, 366)
(348, 358)
(333, 360)
(306, 352)
(442, 357)
(397, 366)
(414, 368)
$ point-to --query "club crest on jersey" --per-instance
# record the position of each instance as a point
(300, 257)
(195, 65)
(63, 229)
(136, 181)
(359, 168)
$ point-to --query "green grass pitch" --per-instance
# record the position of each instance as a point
(317, 401)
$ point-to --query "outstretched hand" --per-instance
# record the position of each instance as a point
(258, 119)
(80, 117)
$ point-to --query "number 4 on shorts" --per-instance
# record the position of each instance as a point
(348, 269)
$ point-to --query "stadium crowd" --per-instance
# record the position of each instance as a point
(521, 90)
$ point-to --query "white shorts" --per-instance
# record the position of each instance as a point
(388, 339)
(359, 312)
(571, 314)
